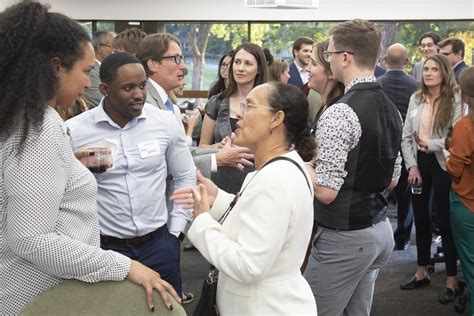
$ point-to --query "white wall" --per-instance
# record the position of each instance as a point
(234, 10)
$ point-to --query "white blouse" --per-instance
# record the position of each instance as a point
(49, 228)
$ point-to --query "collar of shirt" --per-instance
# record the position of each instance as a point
(394, 69)
(101, 116)
(369, 78)
(457, 64)
(161, 91)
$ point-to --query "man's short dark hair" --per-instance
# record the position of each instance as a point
(456, 44)
(299, 42)
(433, 35)
(359, 37)
(153, 47)
(109, 66)
(99, 38)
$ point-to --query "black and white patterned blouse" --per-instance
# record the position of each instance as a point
(49, 228)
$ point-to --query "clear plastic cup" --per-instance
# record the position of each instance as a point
(99, 159)
(416, 189)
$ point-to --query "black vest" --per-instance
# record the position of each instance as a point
(369, 166)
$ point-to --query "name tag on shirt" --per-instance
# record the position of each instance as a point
(149, 149)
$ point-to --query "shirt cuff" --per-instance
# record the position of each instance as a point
(213, 163)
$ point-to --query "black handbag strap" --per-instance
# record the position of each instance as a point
(239, 194)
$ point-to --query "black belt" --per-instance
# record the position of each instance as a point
(358, 227)
(129, 242)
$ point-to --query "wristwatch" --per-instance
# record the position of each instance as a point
(179, 235)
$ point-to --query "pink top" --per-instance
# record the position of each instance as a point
(426, 120)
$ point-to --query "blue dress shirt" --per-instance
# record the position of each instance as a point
(131, 195)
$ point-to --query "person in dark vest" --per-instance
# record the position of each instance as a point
(358, 142)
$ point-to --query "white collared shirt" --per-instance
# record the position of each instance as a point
(303, 73)
(131, 196)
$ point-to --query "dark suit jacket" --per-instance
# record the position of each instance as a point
(295, 78)
(378, 71)
(459, 68)
(398, 86)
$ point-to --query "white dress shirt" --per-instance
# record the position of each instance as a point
(131, 196)
(303, 73)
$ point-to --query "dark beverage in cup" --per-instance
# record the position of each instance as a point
(99, 169)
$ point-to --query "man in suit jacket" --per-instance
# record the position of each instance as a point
(453, 48)
(163, 61)
(102, 42)
(429, 46)
(399, 86)
(302, 49)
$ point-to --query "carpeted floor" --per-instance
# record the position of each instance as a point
(389, 300)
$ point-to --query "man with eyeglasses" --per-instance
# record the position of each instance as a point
(429, 46)
(357, 158)
(102, 42)
(453, 48)
(163, 61)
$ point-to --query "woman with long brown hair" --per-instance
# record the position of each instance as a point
(431, 112)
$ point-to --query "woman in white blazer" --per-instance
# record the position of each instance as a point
(431, 112)
(262, 242)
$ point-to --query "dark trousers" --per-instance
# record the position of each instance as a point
(404, 209)
(433, 176)
(161, 254)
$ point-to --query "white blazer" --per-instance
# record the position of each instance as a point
(262, 244)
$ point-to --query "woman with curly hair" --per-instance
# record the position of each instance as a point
(49, 223)
(431, 112)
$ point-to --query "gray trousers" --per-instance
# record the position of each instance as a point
(344, 265)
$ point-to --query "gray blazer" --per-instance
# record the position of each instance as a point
(435, 144)
(93, 93)
(153, 97)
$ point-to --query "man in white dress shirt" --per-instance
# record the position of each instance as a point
(149, 144)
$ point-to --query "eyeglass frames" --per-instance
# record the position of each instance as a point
(327, 54)
(177, 58)
(244, 107)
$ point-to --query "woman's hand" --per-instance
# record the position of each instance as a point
(414, 176)
(150, 280)
(185, 197)
(422, 143)
(201, 203)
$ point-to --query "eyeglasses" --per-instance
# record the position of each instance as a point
(177, 58)
(447, 53)
(105, 45)
(225, 66)
(327, 54)
(244, 107)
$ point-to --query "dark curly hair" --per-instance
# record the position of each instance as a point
(30, 37)
(292, 101)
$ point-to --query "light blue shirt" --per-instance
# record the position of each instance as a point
(131, 196)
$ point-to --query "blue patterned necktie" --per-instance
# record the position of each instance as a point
(169, 105)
